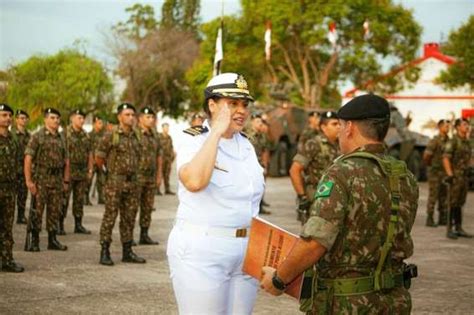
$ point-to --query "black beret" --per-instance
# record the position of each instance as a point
(365, 107)
(313, 114)
(51, 110)
(21, 112)
(123, 106)
(78, 112)
(329, 115)
(5, 108)
(147, 110)
(97, 117)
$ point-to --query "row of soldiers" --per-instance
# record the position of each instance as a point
(129, 160)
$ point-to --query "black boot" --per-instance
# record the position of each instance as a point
(53, 243)
(129, 256)
(451, 221)
(9, 265)
(61, 230)
(20, 219)
(430, 221)
(34, 243)
(145, 238)
(442, 218)
(265, 204)
(159, 193)
(458, 224)
(78, 228)
(169, 192)
(105, 255)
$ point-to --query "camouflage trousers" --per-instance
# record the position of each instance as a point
(166, 171)
(77, 188)
(7, 213)
(50, 198)
(120, 197)
(437, 192)
(395, 301)
(146, 196)
(459, 188)
(22, 194)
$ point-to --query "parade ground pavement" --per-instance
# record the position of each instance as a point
(73, 282)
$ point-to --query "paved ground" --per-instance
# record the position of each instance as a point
(74, 282)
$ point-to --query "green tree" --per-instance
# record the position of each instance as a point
(66, 80)
(183, 14)
(302, 56)
(461, 46)
(140, 22)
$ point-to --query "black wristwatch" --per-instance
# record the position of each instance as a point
(278, 283)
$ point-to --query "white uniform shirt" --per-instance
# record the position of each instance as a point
(233, 195)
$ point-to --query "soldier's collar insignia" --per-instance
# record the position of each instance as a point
(324, 189)
(241, 83)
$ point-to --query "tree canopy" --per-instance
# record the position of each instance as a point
(65, 81)
(460, 45)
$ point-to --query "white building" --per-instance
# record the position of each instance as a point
(427, 101)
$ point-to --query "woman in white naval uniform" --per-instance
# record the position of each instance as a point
(220, 187)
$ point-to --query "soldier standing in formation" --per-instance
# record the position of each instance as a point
(119, 153)
(47, 178)
(79, 150)
(456, 159)
(149, 171)
(310, 131)
(312, 159)
(9, 153)
(96, 134)
(433, 157)
(364, 199)
(22, 136)
(167, 158)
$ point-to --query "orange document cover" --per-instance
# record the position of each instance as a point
(268, 246)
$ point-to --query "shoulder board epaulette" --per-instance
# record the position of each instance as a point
(244, 135)
(196, 130)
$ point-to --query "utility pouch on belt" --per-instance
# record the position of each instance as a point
(307, 290)
(410, 271)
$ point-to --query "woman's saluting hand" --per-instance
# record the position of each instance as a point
(221, 122)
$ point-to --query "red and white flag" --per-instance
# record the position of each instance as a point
(366, 30)
(332, 35)
(268, 41)
(219, 55)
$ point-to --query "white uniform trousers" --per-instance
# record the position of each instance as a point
(206, 272)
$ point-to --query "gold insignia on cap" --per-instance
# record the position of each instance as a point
(241, 83)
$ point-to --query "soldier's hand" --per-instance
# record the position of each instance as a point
(222, 120)
(303, 203)
(32, 187)
(448, 180)
(266, 281)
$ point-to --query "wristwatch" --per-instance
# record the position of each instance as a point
(278, 283)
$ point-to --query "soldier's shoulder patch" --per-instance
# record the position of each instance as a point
(324, 189)
(196, 130)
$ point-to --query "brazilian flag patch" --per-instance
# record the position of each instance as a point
(324, 189)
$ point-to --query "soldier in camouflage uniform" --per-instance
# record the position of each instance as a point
(310, 131)
(456, 159)
(119, 154)
(149, 171)
(95, 136)
(311, 160)
(47, 177)
(437, 191)
(22, 136)
(9, 152)
(167, 157)
(80, 160)
(365, 199)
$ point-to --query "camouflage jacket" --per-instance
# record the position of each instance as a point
(49, 155)
(306, 134)
(166, 143)
(95, 137)
(350, 217)
(435, 148)
(121, 152)
(315, 156)
(150, 151)
(260, 142)
(458, 151)
(9, 155)
(79, 147)
(22, 138)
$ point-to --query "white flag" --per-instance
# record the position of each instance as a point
(332, 35)
(268, 41)
(219, 53)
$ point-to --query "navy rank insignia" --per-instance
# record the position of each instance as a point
(241, 83)
(196, 130)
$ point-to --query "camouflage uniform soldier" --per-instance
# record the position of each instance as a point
(310, 131)
(167, 157)
(80, 161)
(311, 160)
(149, 171)
(433, 157)
(95, 136)
(22, 136)
(47, 177)
(9, 152)
(365, 199)
(456, 159)
(119, 153)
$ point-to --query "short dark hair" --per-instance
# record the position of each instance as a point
(206, 104)
(459, 121)
(443, 121)
(374, 128)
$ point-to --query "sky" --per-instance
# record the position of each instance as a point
(29, 27)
